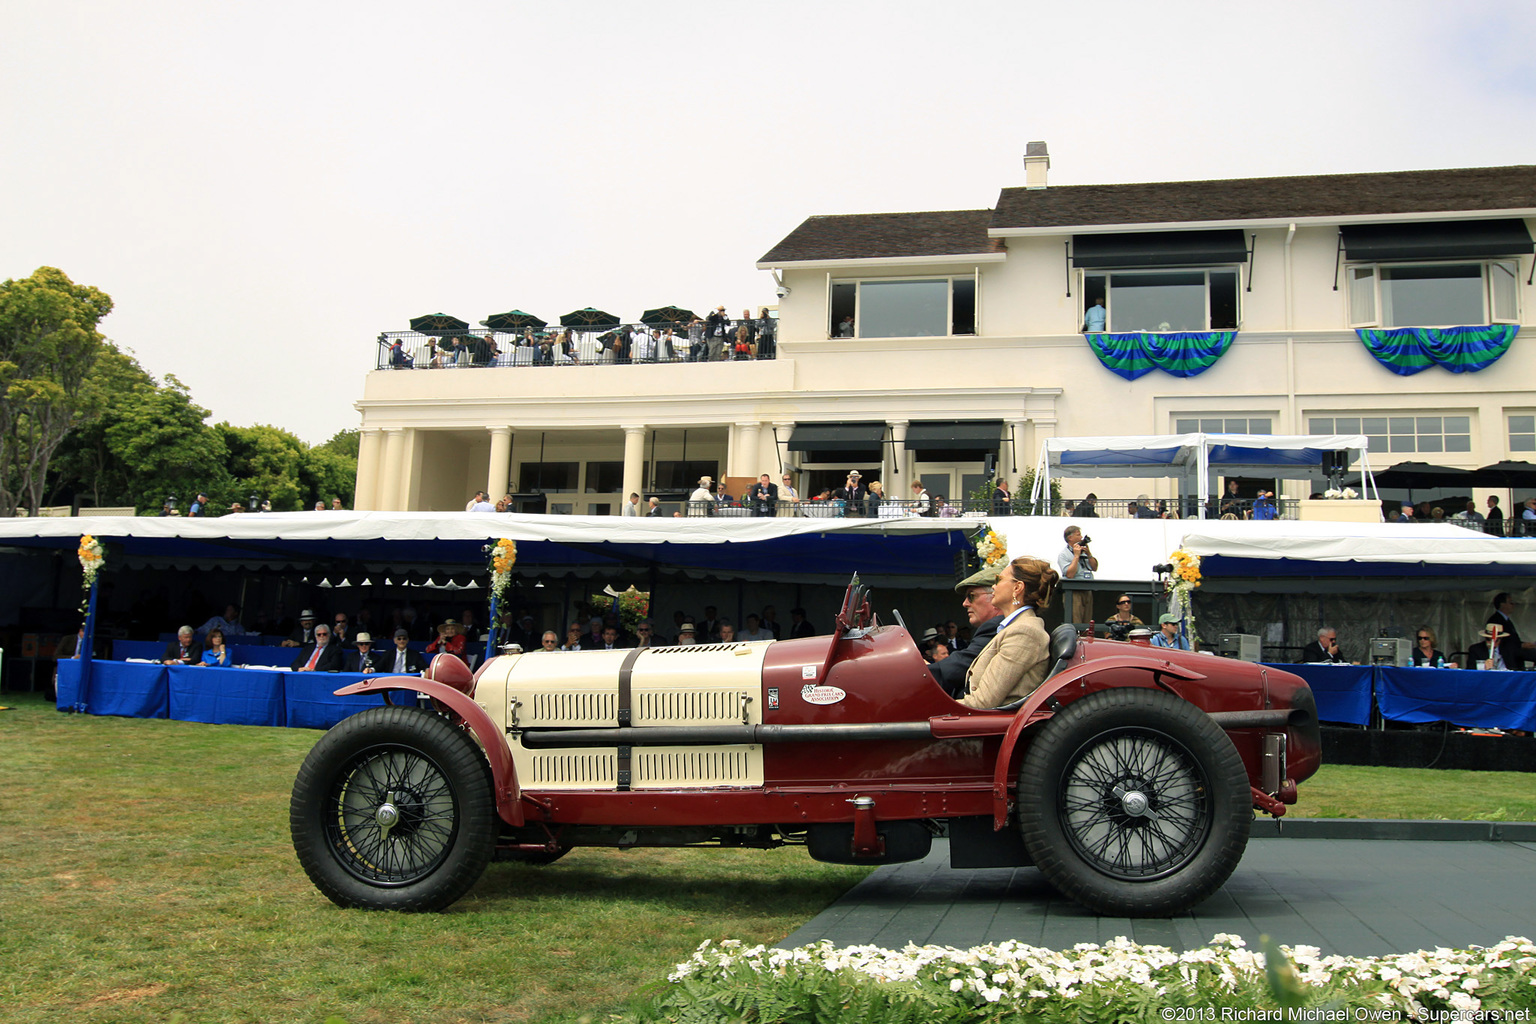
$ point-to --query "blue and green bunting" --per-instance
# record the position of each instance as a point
(1183, 354)
(1407, 350)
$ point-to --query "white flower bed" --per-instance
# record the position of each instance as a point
(1144, 982)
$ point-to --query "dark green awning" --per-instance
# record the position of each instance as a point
(969, 435)
(1450, 239)
(839, 439)
(1159, 249)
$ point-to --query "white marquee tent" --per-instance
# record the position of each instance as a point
(1195, 459)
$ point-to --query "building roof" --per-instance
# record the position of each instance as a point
(1300, 196)
(868, 236)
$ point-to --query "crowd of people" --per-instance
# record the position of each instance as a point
(1498, 647)
(712, 338)
(202, 508)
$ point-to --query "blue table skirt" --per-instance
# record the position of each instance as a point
(225, 696)
(221, 696)
(1499, 700)
(1343, 692)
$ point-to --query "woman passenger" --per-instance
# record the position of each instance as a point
(1014, 663)
(216, 653)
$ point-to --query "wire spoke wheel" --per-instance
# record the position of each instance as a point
(395, 816)
(393, 809)
(1134, 803)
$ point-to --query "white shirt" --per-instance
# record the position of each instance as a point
(758, 634)
(631, 508)
(481, 506)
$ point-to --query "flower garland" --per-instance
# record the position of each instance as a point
(991, 549)
(1043, 984)
(1185, 580)
(92, 558)
(503, 557)
(633, 605)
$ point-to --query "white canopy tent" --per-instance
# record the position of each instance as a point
(1194, 459)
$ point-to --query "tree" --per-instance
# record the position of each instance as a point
(85, 469)
(264, 461)
(164, 447)
(48, 345)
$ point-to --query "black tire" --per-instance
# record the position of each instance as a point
(393, 810)
(1134, 803)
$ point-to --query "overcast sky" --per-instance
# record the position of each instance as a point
(264, 187)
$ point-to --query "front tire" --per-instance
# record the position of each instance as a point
(1134, 803)
(393, 810)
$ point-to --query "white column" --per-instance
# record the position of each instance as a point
(389, 498)
(746, 459)
(895, 469)
(370, 447)
(634, 463)
(501, 459)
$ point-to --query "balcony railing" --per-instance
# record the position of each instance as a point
(628, 343)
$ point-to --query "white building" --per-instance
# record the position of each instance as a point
(1264, 297)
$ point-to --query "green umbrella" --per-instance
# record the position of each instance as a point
(589, 318)
(668, 316)
(516, 320)
(437, 323)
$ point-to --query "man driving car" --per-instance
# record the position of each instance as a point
(976, 596)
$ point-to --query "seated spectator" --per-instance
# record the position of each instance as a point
(184, 650)
(1119, 624)
(754, 630)
(645, 634)
(450, 640)
(397, 356)
(611, 639)
(216, 654)
(573, 639)
(943, 509)
(799, 625)
(1324, 648)
(365, 659)
(304, 633)
(1470, 514)
(402, 660)
(593, 639)
(727, 632)
(1424, 653)
(1497, 651)
(549, 642)
(686, 637)
(1167, 634)
(321, 655)
(229, 622)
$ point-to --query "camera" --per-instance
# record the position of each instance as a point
(1086, 541)
(1166, 567)
(782, 291)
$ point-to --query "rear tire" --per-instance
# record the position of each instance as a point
(1134, 803)
(393, 810)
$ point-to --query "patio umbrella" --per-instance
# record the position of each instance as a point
(589, 318)
(516, 320)
(1508, 473)
(1410, 475)
(437, 323)
(667, 316)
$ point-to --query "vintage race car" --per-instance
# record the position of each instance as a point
(1129, 778)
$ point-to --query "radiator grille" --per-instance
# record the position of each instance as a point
(571, 708)
(721, 767)
(674, 707)
(575, 769)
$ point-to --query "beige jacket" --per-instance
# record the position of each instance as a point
(1011, 666)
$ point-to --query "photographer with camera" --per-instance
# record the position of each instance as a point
(1076, 562)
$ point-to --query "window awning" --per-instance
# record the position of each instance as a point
(864, 440)
(1452, 239)
(1159, 249)
(957, 440)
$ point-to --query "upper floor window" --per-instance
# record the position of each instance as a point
(1161, 300)
(1522, 433)
(1397, 434)
(1223, 424)
(1434, 294)
(933, 307)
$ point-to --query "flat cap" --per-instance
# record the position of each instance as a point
(983, 577)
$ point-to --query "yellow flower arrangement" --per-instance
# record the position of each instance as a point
(92, 558)
(503, 557)
(1185, 580)
(992, 549)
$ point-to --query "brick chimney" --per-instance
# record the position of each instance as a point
(1036, 162)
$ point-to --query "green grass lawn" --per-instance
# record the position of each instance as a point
(146, 872)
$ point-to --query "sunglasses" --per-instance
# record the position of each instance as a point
(1421, 637)
(1122, 602)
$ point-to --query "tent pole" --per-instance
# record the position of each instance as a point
(87, 644)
